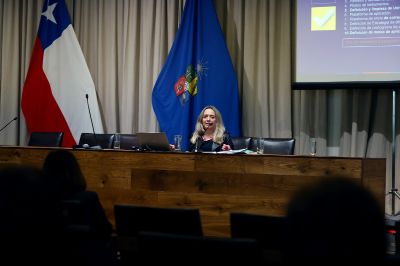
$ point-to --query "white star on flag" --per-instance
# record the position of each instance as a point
(49, 13)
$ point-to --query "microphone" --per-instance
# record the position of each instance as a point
(199, 138)
(9, 122)
(97, 146)
(197, 144)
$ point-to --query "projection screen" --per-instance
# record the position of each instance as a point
(346, 43)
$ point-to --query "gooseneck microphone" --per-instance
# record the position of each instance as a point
(97, 146)
(9, 122)
(196, 148)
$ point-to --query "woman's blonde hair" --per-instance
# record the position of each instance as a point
(218, 135)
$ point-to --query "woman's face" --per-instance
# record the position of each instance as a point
(209, 119)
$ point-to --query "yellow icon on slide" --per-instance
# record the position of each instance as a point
(323, 18)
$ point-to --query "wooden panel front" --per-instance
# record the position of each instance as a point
(216, 184)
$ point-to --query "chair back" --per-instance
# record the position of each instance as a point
(105, 141)
(283, 146)
(46, 139)
(132, 219)
(159, 249)
(83, 215)
(129, 141)
(241, 142)
(75, 217)
(267, 230)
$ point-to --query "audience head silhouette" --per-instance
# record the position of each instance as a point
(335, 221)
(80, 206)
(31, 224)
(63, 170)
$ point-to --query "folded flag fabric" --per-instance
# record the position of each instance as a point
(58, 84)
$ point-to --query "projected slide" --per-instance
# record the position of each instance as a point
(347, 40)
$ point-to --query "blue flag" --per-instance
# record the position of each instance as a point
(198, 72)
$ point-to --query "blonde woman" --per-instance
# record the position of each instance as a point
(210, 134)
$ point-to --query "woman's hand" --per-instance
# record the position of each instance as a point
(226, 147)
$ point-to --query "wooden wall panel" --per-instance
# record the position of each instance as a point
(216, 184)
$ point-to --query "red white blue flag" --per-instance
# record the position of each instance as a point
(58, 80)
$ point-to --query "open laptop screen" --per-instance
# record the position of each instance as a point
(155, 141)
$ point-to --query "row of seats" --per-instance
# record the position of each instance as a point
(132, 219)
(152, 235)
(143, 230)
(105, 141)
(284, 146)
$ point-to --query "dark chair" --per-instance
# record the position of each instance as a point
(105, 141)
(241, 143)
(268, 230)
(46, 139)
(283, 146)
(165, 249)
(129, 141)
(86, 243)
(131, 219)
(84, 215)
(75, 218)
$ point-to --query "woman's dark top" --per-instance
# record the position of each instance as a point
(210, 145)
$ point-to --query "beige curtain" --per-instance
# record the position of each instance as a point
(126, 42)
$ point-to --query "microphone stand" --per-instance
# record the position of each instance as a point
(96, 146)
(197, 144)
(196, 148)
(9, 122)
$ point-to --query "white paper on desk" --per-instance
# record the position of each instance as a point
(241, 151)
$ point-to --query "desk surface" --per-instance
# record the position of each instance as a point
(217, 184)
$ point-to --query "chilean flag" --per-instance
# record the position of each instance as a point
(58, 83)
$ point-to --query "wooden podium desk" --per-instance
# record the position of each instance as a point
(217, 184)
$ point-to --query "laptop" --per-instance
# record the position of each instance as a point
(155, 141)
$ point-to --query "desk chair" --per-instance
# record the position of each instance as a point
(241, 142)
(128, 141)
(85, 241)
(105, 141)
(46, 139)
(130, 220)
(267, 230)
(282, 146)
(75, 219)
